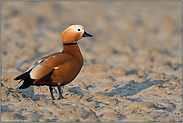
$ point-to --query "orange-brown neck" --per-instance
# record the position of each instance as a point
(74, 50)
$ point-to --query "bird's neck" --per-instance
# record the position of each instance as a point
(73, 49)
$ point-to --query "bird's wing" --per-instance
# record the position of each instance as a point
(41, 60)
(45, 57)
(48, 64)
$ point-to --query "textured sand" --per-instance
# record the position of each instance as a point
(132, 69)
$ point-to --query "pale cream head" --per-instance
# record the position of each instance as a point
(72, 34)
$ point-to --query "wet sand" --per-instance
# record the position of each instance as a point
(132, 65)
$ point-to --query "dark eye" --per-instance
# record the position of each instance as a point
(78, 29)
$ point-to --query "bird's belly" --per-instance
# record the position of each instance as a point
(42, 82)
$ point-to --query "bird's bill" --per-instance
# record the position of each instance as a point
(85, 34)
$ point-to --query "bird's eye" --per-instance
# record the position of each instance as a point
(78, 29)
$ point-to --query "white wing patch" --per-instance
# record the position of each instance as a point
(39, 71)
(33, 72)
(39, 62)
(31, 67)
(56, 67)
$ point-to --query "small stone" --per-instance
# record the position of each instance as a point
(135, 111)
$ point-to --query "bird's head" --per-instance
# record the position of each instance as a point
(73, 33)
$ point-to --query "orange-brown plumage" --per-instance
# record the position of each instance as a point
(57, 69)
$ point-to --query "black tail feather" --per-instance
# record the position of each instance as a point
(27, 80)
(26, 83)
(23, 76)
(20, 81)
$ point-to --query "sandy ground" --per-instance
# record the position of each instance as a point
(132, 69)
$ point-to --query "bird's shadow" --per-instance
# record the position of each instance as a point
(130, 89)
(29, 93)
(133, 87)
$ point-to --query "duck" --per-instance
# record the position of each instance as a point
(60, 68)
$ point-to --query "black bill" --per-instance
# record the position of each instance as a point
(85, 34)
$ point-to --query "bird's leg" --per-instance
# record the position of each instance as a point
(51, 91)
(60, 93)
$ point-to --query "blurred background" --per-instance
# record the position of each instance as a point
(146, 33)
(132, 64)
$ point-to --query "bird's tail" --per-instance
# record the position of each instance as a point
(27, 80)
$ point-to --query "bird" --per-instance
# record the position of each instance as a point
(60, 68)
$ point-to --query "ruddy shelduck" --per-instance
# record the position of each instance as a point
(57, 69)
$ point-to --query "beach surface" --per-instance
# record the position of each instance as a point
(132, 64)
